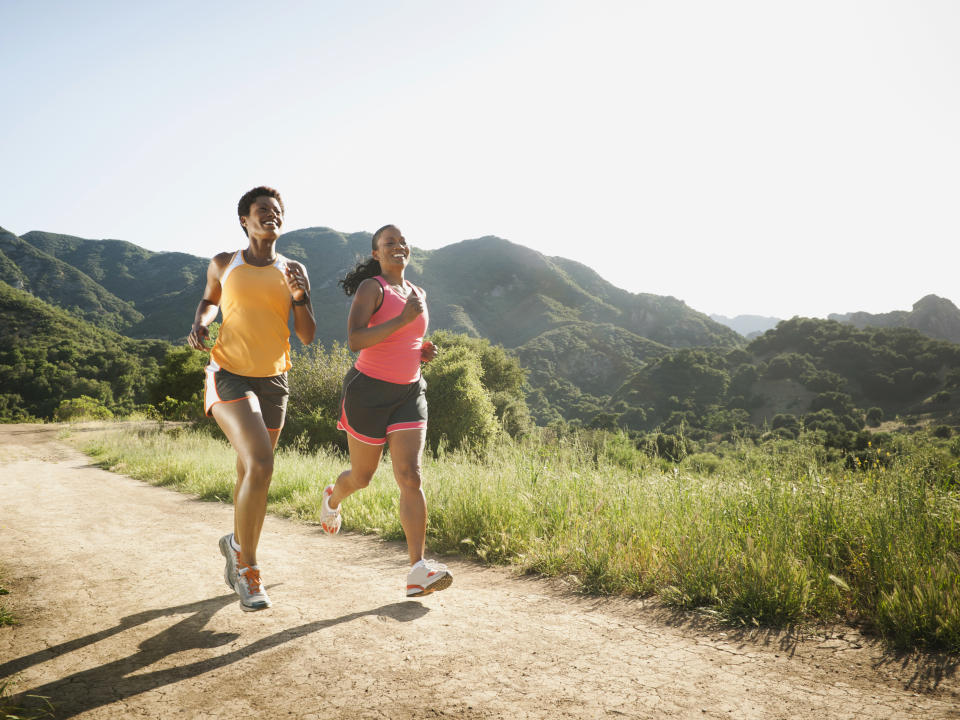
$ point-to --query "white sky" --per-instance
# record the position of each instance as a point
(765, 157)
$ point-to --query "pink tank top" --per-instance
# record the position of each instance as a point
(397, 358)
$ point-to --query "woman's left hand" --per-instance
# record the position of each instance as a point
(428, 351)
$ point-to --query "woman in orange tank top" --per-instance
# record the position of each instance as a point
(384, 397)
(246, 379)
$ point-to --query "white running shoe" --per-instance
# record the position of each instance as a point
(250, 588)
(230, 571)
(330, 520)
(428, 576)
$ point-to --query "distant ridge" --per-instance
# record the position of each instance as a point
(748, 325)
(934, 316)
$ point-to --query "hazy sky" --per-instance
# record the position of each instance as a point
(770, 158)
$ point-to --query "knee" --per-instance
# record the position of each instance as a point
(259, 467)
(408, 477)
(360, 479)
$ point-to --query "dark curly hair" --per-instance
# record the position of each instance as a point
(243, 207)
(365, 269)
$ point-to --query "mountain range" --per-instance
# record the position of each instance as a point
(579, 336)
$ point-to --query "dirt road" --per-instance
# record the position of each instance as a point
(124, 614)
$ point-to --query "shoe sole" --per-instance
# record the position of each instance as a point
(441, 584)
(255, 607)
(225, 551)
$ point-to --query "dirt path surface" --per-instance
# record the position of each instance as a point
(124, 614)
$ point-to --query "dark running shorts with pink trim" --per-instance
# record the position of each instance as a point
(271, 393)
(371, 409)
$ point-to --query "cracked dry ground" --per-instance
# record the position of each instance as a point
(124, 614)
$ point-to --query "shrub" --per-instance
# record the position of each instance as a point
(180, 376)
(176, 409)
(502, 377)
(81, 408)
(943, 431)
(461, 412)
(667, 446)
(703, 463)
(874, 416)
(316, 379)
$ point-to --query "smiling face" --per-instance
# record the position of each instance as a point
(392, 250)
(264, 219)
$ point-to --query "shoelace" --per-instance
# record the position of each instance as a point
(251, 575)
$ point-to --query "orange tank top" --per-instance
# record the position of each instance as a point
(254, 337)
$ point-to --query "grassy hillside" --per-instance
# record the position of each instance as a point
(164, 287)
(65, 286)
(572, 368)
(48, 355)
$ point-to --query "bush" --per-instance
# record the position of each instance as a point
(81, 408)
(704, 463)
(461, 412)
(501, 375)
(667, 446)
(316, 380)
(175, 409)
(874, 416)
(180, 376)
(943, 431)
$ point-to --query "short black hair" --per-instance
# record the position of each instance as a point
(243, 207)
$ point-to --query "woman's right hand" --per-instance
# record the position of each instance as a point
(198, 337)
(413, 308)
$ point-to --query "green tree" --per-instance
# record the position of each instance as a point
(316, 380)
(502, 377)
(81, 408)
(874, 416)
(461, 412)
(180, 377)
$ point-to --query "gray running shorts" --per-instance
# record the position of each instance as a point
(271, 393)
(371, 409)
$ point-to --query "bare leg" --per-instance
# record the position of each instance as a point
(241, 471)
(406, 449)
(242, 423)
(364, 461)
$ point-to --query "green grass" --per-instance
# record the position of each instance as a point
(10, 710)
(771, 535)
(6, 617)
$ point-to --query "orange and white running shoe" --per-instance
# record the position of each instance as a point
(330, 519)
(250, 588)
(428, 576)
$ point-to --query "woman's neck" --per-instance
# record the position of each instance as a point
(261, 253)
(394, 278)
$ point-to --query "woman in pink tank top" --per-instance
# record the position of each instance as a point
(384, 399)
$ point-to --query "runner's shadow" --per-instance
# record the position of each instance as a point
(116, 681)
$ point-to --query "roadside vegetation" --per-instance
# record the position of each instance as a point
(843, 507)
(777, 534)
(6, 617)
